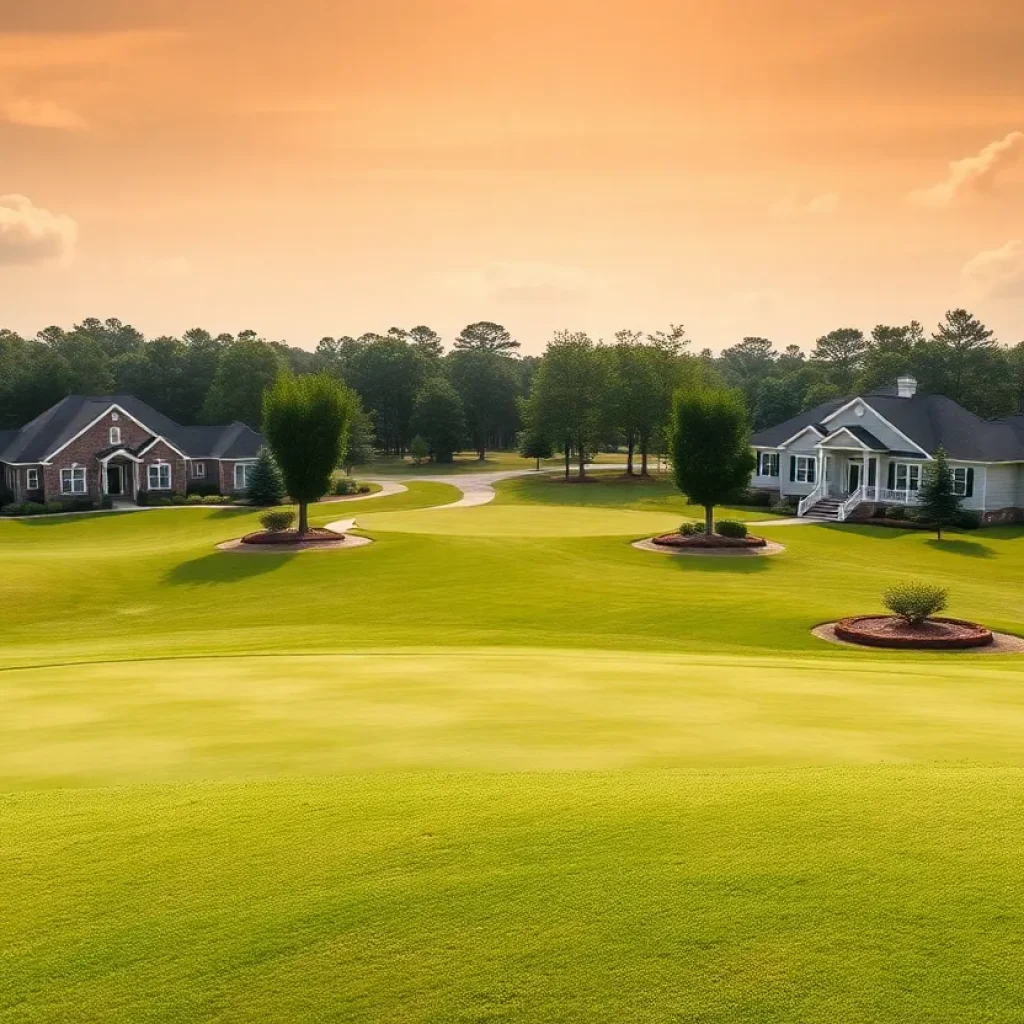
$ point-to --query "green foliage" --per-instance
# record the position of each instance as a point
(730, 528)
(915, 602)
(438, 419)
(359, 450)
(488, 389)
(485, 337)
(784, 507)
(711, 454)
(418, 449)
(691, 529)
(938, 503)
(246, 367)
(345, 485)
(533, 443)
(277, 520)
(896, 512)
(305, 420)
(265, 484)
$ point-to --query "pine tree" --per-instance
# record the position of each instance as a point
(265, 486)
(939, 504)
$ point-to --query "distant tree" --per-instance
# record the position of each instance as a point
(633, 381)
(305, 420)
(359, 450)
(388, 374)
(487, 385)
(841, 354)
(569, 394)
(967, 356)
(820, 391)
(418, 449)
(265, 484)
(938, 503)
(246, 367)
(777, 399)
(711, 454)
(438, 419)
(427, 342)
(891, 352)
(486, 337)
(533, 444)
(1015, 365)
(747, 365)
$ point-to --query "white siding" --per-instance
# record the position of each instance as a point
(994, 487)
(872, 422)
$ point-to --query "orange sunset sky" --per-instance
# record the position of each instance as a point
(772, 167)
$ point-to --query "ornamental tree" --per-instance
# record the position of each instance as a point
(710, 444)
(305, 420)
(938, 503)
(265, 485)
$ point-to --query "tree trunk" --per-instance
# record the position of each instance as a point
(303, 517)
(629, 456)
(583, 461)
(538, 463)
(566, 462)
(709, 519)
(938, 533)
(643, 461)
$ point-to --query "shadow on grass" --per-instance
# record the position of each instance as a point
(63, 520)
(225, 567)
(742, 565)
(234, 513)
(971, 548)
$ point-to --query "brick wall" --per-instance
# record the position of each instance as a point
(161, 452)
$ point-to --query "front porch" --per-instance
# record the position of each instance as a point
(846, 478)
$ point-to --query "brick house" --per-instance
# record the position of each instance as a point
(91, 447)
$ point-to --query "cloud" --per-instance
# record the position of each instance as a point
(523, 282)
(31, 235)
(996, 273)
(817, 206)
(973, 174)
(37, 113)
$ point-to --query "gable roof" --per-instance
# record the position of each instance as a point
(865, 437)
(928, 420)
(49, 431)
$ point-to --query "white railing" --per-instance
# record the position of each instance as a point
(898, 497)
(852, 502)
(812, 499)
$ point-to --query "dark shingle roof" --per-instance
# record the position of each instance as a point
(866, 437)
(55, 427)
(928, 420)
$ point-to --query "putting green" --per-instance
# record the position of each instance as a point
(522, 521)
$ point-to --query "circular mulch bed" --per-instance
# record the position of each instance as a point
(715, 545)
(885, 631)
(287, 541)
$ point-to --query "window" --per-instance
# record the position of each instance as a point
(243, 470)
(159, 475)
(72, 481)
(769, 464)
(802, 468)
(115, 435)
(908, 477)
(32, 479)
(963, 481)
(198, 470)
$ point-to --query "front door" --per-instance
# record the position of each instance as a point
(115, 480)
(854, 481)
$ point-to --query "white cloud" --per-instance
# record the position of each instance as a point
(996, 273)
(523, 282)
(38, 113)
(976, 173)
(31, 235)
(818, 206)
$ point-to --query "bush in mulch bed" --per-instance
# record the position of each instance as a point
(703, 540)
(934, 634)
(314, 535)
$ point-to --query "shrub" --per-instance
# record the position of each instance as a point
(968, 520)
(194, 499)
(784, 508)
(215, 499)
(178, 499)
(915, 602)
(55, 507)
(730, 528)
(265, 485)
(277, 519)
(12, 508)
(106, 501)
(345, 485)
(895, 512)
(364, 488)
(689, 529)
(418, 449)
(202, 487)
(35, 508)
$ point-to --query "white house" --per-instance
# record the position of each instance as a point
(849, 455)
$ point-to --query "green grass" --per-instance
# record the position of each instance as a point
(468, 462)
(500, 766)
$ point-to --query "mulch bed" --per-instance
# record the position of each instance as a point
(735, 549)
(937, 634)
(705, 541)
(289, 538)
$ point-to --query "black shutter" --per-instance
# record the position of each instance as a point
(892, 476)
(970, 484)
(812, 469)
(792, 467)
(775, 464)
(872, 471)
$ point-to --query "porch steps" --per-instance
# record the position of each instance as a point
(827, 510)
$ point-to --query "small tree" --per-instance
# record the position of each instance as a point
(265, 485)
(939, 504)
(534, 444)
(306, 420)
(711, 453)
(418, 449)
(438, 419)
(359, 449)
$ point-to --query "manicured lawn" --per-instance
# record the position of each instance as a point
(500, 766)
(468, 462)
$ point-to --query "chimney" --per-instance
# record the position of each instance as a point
(906, 386)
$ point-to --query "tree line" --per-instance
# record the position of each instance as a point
(481, 393)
